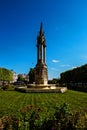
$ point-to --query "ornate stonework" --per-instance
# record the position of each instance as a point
(41, 72)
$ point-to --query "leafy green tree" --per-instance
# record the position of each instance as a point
(6, 75)
(31, 75)
(53, 81)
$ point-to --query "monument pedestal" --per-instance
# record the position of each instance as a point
(38, 86)
(41, 75)
(32, 89)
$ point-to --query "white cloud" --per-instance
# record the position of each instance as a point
(65, 65)
(54, 69)
(55, 61)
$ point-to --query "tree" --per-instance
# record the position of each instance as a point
(76, 75)
(6, 75)
(20, 78)
(53, 81)
(31, 75)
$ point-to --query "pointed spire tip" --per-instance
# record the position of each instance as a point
(41, 28)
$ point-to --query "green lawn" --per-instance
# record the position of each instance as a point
(11, 102)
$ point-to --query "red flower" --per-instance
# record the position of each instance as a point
(31, 106)
(36, 117)
(22, 111)
(39, 110)
(27, 108)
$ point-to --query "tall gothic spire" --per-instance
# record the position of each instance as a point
(41, 73)
(41, 29)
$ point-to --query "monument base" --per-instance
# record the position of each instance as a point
(38, 86)
(45, 89)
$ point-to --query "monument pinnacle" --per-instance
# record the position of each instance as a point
(41, 28)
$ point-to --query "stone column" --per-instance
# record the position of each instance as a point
(44, 53)
(37, 54)
(40, 52)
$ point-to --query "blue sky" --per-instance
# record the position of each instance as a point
(65, 27)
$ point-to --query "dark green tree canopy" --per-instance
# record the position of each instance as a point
(20, 78)
(75, 75)
(31, 75)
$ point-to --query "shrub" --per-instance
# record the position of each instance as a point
(8, 87)
(9, 123)
(63, 119)
(32, 119)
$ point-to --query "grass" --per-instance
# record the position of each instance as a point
(11, 102)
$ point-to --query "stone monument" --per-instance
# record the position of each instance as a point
(41, 72)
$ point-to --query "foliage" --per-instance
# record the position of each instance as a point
(43, 111)
(76, 75)
(76, 78)
(9, 123)
(6, 75)
(20, 78)
(8, 87)
(62, 119)
(31, 75)
(53, 81)
(31, 117)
